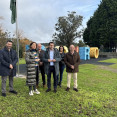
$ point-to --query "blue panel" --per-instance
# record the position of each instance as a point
(43, 47)
(27, 47)
(84, 53)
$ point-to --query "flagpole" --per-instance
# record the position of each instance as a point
(17, 39)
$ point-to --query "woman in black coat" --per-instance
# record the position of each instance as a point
(61, 65)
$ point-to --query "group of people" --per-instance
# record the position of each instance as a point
(51, 61)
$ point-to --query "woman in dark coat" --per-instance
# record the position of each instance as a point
(32, 62)
(61, 65)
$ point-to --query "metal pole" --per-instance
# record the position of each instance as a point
(17, 39)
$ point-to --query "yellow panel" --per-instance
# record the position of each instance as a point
(94, 52)
(65, 49)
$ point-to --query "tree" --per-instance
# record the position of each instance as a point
(67, 29)
(102, 26)
(81, 43)
(4, 36)
(20, 34)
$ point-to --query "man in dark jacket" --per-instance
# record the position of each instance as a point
(51, 64)
(72, 61)
(8, 60)
(41, 64)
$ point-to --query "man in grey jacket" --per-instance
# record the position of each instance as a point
(51, 64)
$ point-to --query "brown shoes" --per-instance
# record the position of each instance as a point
(44, 86)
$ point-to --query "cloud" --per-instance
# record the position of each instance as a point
(37, 18)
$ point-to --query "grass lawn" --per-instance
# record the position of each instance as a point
(113, 60)
(22, 61)
(97, 97)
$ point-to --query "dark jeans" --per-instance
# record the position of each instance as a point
(32, 88)
(51, 70)
(61, 70)
(42, 74)
(37, 75)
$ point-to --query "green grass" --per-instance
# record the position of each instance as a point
(114, 66)
(113, 60)
(97, 97)
(22, 61)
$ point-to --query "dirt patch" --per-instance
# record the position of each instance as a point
(107, 68)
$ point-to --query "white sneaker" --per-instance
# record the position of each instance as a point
(36, 91)
(31, 93)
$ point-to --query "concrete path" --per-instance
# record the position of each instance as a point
(91, 61)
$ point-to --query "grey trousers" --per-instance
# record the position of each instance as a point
(4, 78)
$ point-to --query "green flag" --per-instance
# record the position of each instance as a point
(13, 10)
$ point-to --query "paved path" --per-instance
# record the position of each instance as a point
(91, 61)
(96, 61)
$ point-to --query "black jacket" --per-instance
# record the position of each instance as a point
(62, 59)
(5, 62)
(41, 54)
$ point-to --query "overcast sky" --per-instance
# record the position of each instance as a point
(37, 18)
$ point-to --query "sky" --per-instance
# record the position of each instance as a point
(37, 18)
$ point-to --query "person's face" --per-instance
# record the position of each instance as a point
(33, 46)
(39, 46)
(61, 49)
(51, 46)
(72, 48)
(9, 45)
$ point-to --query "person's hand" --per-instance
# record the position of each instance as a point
(54, 60)
(41, 63)
(11, 66)
(49, 60)
(37, 60)
(72, 66)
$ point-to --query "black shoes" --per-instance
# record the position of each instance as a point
(14, 92)
(59, 84)
(4, 94)
(48, 90)
(75, 89)
(67, 89)
(55, 91)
